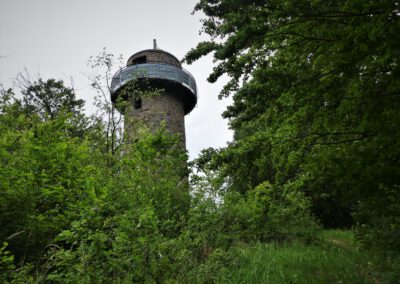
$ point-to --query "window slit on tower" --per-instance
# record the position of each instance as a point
(139, 60)
(137, 103)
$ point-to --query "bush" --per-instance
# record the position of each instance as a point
(128, 232)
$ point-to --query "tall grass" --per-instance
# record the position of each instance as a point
(333, 260)
(296, 263)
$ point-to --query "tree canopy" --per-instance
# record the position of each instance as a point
(316, 92)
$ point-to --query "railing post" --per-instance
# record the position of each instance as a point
(120, 74)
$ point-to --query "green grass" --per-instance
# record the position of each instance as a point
(333, 260)
(344, 239)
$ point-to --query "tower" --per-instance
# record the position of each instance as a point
(176, 92)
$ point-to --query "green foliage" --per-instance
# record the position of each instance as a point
(108, 119)
(333, 259)
(220, 217)
(73, 210)
(384, 222)
(42, 178)
(215, 269)
(316, 101)
(296, 263)
(6, 262)
(48, 98)
(129, 232)
(342, 238)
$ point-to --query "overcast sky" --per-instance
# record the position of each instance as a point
(55, 38)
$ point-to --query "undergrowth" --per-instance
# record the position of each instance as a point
(334, 258)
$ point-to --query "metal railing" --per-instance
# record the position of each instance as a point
(156, 71)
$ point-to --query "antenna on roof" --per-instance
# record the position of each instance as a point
(154, 44)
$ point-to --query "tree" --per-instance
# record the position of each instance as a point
(46, 160)
(107, 114)
(47, 98)
(316, 101)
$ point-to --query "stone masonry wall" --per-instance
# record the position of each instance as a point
(165, 107)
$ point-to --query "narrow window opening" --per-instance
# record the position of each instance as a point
(140, 60)
(137, 104)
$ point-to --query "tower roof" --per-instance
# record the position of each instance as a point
(153, 56)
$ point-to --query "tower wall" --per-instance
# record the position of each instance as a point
(166, 107)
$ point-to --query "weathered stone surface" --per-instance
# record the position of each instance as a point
(167, 107)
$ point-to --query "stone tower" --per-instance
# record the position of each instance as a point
(176, 95)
